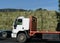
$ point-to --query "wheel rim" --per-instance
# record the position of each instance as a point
(4, 34)
(21, 38)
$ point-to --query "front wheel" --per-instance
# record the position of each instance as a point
(21, 38)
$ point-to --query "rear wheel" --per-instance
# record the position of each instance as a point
(21, 38)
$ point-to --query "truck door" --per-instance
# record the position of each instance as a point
(18, 25)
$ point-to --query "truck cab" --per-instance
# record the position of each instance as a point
(20, 24)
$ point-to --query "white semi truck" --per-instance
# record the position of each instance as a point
(25, 28)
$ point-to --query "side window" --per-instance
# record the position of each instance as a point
(19, 22)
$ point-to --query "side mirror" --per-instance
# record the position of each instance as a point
(14, 25)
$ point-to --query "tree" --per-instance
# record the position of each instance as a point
(39, 9)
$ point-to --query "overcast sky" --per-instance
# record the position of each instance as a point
(30, 4)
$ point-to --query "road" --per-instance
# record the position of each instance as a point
(14, 41)
(29, 41)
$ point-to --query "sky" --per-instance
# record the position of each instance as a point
(29, 4)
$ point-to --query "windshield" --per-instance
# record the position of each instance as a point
(18, 22)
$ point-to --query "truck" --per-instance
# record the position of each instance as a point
(26, 28)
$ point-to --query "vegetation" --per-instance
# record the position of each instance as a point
(7, 17)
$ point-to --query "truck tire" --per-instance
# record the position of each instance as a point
(4, 35)
(21, 38)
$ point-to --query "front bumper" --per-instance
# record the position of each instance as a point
(13, 35)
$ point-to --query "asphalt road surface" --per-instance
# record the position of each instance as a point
(29, 41)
